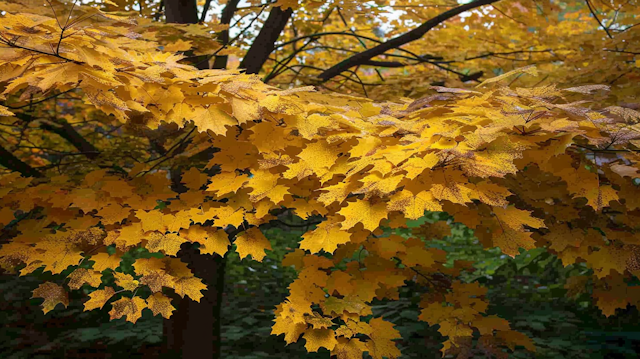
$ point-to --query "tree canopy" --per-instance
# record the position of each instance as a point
(122, 129)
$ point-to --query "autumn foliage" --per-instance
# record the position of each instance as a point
(112, 141)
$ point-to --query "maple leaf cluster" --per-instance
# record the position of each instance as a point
(524, 167)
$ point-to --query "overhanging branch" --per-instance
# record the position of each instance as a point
(396, 42)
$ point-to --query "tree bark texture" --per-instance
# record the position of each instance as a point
(193, 331)
(181, 11)
(263, 44)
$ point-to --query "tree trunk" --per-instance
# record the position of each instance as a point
(193, 331)
(263, 44)
(220, 61)
(181, 11)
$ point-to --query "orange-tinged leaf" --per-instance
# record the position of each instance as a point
(82, 276)
(129, 307)
(98, 298)
(52, 295)
(513, 338)
(600, 197)
(486, 325)
(517, 218)
(510, 240)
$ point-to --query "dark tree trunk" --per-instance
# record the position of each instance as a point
(263, 44)
(193, 331)
(181, 11)
(220, 62)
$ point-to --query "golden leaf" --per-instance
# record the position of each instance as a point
(126, 281)
(98, 298)
(252, 242)
(316, 338)
(363, 212)
(52, 295)
(327, 236)
(82, 276)
(129, 307)
(160, 304)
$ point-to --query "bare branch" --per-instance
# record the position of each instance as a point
(220, 62)
(396, 42)
(593, 12)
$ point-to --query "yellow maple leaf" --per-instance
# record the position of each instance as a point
(316, 338)
(252, 242)
(413, 206)
(129, 307)
(126, 281)
(168, 243)
(381, 344)
(81, 276)
(510, 240)
(226, 182)
(160, 304)
(265, 185)
(98, 298)
(364, 212)
(105, 261)
(327, 236)
(191, 287)
(516, 218)
(348, 348)
(211, 240)
(194, 178)
(113, 213)
(286, 326)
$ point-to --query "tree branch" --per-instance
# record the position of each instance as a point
(264, 43)
(8, 160)
(70, 134)
(205, 9)
(593, 12)
(220, 62)
(396, 42)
